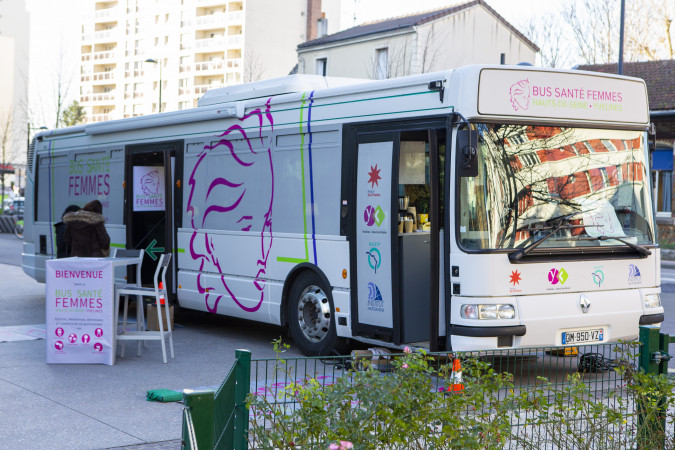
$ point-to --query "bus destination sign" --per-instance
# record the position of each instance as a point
(558, 95)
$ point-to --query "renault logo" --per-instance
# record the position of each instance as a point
(584, 303)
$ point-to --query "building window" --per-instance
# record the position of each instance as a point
(322, 27)
(662, 179)
(382, 64)
(321, 65)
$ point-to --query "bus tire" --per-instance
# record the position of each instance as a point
(311, 318)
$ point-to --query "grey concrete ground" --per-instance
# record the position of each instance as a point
(10, 249)
(96, 407)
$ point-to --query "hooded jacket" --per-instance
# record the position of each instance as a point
(86, 234)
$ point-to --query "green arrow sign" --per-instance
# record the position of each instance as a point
(151, 250)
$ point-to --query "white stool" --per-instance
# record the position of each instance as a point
(142, 335)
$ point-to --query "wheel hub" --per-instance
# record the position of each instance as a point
(314, 313)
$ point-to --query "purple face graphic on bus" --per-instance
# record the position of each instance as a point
(235, 197)
(520, 94)
(150, 183)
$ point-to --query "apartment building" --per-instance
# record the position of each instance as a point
(135, 51)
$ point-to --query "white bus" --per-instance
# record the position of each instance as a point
(480, 208)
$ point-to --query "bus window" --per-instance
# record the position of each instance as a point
(529, 177)
(413, 181)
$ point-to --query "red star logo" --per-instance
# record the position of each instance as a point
(374, 176)
(515, 278)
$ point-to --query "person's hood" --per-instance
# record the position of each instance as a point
(81, 219)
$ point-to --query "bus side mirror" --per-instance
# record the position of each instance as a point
(467, 161)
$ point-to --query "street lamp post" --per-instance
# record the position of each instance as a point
(621, 35)
(160, 80)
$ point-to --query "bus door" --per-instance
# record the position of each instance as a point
(153, 205)
(395, 249)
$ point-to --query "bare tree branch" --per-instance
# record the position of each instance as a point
(254, 68)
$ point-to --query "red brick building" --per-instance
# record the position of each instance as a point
(660, 79)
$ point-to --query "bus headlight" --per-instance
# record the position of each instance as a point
(652, 300)
(488, 312)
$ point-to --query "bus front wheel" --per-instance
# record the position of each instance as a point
(311, 317)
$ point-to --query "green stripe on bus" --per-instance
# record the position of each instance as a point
(118, 245)
(291, 260)
(179, 250)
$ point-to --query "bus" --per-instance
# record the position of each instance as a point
(486, 207)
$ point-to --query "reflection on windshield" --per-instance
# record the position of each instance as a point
(531, 177)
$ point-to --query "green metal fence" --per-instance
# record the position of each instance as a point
(221, 420)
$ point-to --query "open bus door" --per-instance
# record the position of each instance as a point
(397, 180)
(153, 204)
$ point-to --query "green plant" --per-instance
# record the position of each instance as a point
(407, 407)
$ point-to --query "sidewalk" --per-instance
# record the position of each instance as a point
(84, 407)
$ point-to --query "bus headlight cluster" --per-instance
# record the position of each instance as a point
(488, 312)
(652, 300)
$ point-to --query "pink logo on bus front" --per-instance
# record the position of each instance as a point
(520, 94)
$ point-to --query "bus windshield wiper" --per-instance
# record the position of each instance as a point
(643, 251)
(517, 256)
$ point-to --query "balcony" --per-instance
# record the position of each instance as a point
(105, 14)
(184, 68)
(211, 19)
(127, 95)
(127, 73)
(209, 65)
(218, 41)
(86, 57)
(207, 87)
(139, 73)
(107, 34)
(235, 16)
(235, 39)
(87, 37)
(138, 94)
(184, 91)
(85, 77)
(104, 96)
(234, 63)
(84, 98)
(102, 76)
(100, 117)
(139, 51)
(186, 23)
(186, 45)
(108, 54)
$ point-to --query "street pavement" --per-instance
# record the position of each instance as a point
(99, 407)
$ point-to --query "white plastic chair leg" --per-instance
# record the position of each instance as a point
(161, 330)
(124, 323)
(139, 326)
(140, 301)
(168, 325)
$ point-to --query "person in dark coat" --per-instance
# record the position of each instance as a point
(63, 250)
(85, 231)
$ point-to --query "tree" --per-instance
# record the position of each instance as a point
(254, 67)
(408, 56)
(8, 147)
(73, 115)
(546, 32)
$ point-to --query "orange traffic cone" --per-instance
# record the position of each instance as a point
(456, 377)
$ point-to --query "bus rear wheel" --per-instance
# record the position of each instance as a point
(311, 317)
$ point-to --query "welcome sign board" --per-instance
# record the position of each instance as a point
(529, 93)
(79, 311)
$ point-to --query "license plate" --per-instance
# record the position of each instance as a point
(581, 336)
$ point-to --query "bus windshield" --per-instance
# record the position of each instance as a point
(532, 179)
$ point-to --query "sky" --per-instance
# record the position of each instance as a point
(55, 31)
